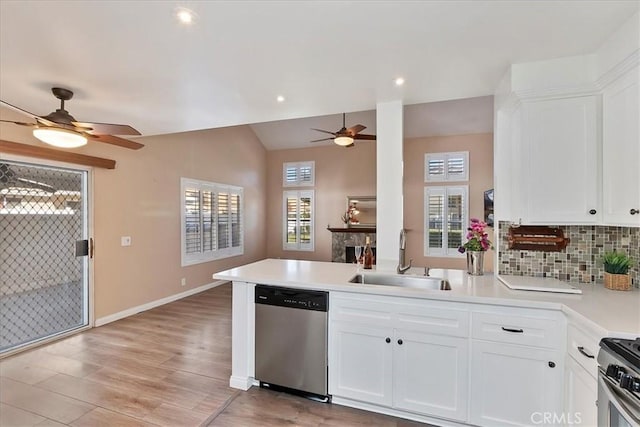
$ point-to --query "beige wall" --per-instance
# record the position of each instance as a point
(339, 172)
(480, 147)
(141, 199)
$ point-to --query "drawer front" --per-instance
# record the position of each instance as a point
(424, 316)
(583, 347)
(441, 318)
(528, 327)
(360, 308)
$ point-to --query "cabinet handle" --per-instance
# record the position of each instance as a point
(585, 354)
(400, 342)
(592, 211)
(634, 211)
(388, 340)
(515, 331)
(552, 364)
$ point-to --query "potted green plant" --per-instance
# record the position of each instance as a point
(616, 271)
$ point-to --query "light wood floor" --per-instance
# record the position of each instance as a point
(169, 366)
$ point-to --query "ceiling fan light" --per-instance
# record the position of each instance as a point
(343, 140)
(62, 138)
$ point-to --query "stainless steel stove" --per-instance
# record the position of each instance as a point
(619, 383)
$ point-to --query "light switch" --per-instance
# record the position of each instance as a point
(125, 241)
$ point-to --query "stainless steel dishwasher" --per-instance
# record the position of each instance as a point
(291, 340)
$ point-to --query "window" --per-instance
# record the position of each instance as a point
(298, 212)
(300, 174)
(446, 213)
(446, 166)
(212, 221)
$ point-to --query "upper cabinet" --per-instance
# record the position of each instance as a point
(559, 161)
(570, 156)
(621, 151)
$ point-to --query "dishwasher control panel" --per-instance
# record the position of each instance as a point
(292, 298)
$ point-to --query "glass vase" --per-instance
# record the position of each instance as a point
(475, 263)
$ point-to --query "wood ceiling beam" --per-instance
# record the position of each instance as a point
(56, 155)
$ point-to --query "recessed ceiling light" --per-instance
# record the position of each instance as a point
(399, 81)
(185, 16)
(280, 98)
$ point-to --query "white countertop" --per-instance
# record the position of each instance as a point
(615, 313)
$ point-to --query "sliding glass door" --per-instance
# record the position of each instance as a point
(44, 250)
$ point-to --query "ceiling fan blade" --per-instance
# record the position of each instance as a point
(365, 137)
(19, 123)
(323, 139)
(107, 128)
(33, 116)
(325, 131)
(355, 129)
(120, 142)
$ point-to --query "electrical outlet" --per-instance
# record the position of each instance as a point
(125, 241)
(183, 282)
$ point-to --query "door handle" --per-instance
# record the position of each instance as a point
(90, 247)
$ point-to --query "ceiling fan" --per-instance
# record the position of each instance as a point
(345, 136)
(62, 130)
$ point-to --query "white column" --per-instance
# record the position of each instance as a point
(389, 172)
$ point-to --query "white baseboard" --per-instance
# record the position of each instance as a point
(432, 421)
(242, 383)
(153, 304)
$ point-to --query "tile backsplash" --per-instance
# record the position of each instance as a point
(580, 261)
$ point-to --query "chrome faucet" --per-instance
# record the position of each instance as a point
(403, 246)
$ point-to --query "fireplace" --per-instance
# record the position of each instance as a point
(344, 240)
(350, 254)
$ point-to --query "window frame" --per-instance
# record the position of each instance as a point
(446, 191)
(446, 176)
(298, 166)
(212, 254)
(298, 246)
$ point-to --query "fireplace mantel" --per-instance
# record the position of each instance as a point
(352, 229)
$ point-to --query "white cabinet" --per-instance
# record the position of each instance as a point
(430, 374)
(400, 353)
(581, 394)
(581, 374)
(517, 365)
(508, 176)
(511, 385)
(560, 161)
(360, 362)
(621, 151)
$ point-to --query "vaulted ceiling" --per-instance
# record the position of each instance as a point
(133, 62)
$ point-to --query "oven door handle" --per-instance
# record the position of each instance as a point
(615, 400)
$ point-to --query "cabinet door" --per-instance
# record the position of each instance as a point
(507, 173)
(561, 161)
(360, 362)
(430, 374)
(581, 393)
(513, 385)
(621, 151)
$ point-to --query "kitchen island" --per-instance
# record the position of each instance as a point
(444, 357)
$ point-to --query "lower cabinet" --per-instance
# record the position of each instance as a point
(514, 385)
(581, 393)
(470, 363)
(360, 363)
(417, 372)
(430, 374)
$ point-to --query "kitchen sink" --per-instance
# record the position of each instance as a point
(420, 282)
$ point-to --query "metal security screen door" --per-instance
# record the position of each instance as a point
(43, 252)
